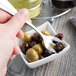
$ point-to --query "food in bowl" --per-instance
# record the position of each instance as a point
(34, 49)
(32, 55)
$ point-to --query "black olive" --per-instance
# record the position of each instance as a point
(47, 53)
(32, 44)
(59, 47)
(25, 47)
(60, 36)
(36, 37)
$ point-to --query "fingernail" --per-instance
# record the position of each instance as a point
(24, 12)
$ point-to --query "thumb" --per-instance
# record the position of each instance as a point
(17, 21)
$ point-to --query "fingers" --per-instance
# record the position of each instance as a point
(16, 51)
(4, 16)
(12, 57)
(20, 34)
(17, 21)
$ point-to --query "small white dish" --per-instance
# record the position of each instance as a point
(45, 60)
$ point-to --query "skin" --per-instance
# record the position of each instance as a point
(10, 28)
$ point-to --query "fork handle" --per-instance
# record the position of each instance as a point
(5, 5)
(31, 25)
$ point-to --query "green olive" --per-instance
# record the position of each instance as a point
(46, 32)
(27, 37)
(38, 48)
(32, 55)
(43, 44)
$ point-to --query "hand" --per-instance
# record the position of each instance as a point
(10, 28)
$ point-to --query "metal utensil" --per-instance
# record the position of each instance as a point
(48, 40)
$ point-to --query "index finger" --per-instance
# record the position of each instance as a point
(17, 21)
(4, 16)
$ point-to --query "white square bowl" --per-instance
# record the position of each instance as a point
(45, 60)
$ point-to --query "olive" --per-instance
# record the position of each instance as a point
(40, 41)
(38, 48)
(36, 37)
(47, 53)
(59, 47)
(23, 49)
(27, 37)
(32, 44)
(46, 32)
(43, 45)
(32, 55)
(25, 46)
(59, 35)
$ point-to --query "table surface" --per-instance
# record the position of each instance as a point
(64, 65)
